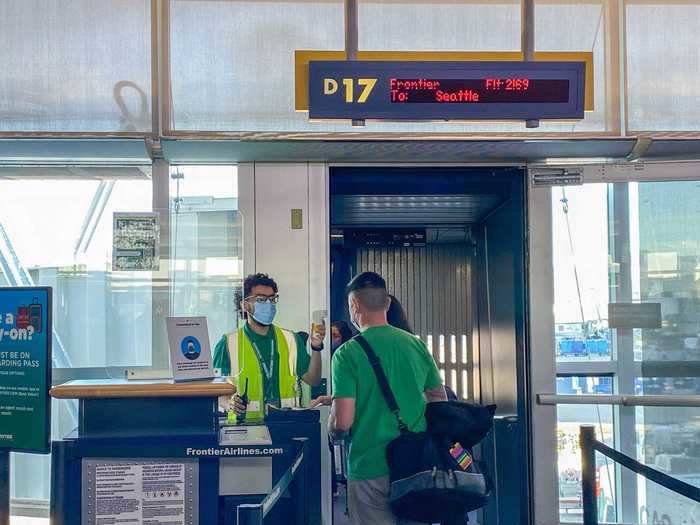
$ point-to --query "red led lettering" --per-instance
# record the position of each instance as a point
(476, 90)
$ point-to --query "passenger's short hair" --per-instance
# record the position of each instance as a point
(257, 279)
(370, 290)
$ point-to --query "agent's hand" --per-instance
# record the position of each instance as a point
(318, 334)
(321, 400)
(236, 404)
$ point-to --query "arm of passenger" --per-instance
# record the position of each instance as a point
(344, 393)
(435, 394)
(342, 415)
(312, 377)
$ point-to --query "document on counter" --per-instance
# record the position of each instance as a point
(245, 435)
(125, 493)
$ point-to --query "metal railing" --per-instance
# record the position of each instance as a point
(254, 514)
(621, 400)
(589, 446)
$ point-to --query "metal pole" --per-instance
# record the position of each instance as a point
(627, 401)
(302, 499)
(4, 487)
(351, 38)
(527, 40)
(590, 510)
(249, 515)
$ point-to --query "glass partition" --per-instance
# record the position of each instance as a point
(206, 249)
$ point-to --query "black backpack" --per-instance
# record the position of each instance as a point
(428, 484)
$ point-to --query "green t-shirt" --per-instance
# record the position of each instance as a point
(265, 344)
(410, 369)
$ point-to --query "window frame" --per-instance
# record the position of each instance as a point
(544, 368)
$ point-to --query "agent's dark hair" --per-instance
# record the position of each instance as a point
(344, 330)
(370, 290)
(257, 279)
(396, 315)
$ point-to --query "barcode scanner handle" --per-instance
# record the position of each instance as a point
(244, 399)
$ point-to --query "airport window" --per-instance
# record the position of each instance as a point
(57, 228)
(589, 34)
(57, 231)
(581, 290)
(467, 26)
(245, 51)
(569, 420)
(90, 71)
(662, 57)
(626, 259)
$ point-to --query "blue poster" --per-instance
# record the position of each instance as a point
(25, 369)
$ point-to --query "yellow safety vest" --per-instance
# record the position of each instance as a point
(243, 359)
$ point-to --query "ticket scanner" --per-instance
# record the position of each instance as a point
(160, 452)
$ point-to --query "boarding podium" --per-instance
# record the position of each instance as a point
(160, 452)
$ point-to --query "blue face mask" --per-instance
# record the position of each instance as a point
(264, 313)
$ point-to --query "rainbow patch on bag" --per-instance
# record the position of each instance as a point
(461, 456)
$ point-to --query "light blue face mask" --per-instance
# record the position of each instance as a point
(264, 313)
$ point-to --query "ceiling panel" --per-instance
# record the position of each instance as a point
(402, 210)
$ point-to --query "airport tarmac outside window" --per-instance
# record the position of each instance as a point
(569, 420)
(627, 298)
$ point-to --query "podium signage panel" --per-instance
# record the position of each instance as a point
(155, 491)
(190, 353)
(401, 90)
(25, 369)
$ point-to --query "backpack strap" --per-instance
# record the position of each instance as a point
(383, 381)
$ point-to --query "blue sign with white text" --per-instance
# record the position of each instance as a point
(25, 369)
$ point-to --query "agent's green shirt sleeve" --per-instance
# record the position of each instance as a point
(303, 357)
(221, 357)
(344, 373)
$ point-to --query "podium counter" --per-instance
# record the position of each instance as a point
(160, 452)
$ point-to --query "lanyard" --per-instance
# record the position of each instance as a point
(268, 371)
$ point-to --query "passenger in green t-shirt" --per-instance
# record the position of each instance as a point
(358, 404)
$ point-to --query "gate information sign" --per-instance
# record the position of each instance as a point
(446, 90)
(25, 369)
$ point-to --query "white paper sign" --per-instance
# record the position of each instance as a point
(190, 353)
(136, 242)
(148, 493)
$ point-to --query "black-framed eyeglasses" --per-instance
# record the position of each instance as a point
(262, 299)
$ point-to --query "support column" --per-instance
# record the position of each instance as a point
(621, 291)
(527, 40)
(351, 39)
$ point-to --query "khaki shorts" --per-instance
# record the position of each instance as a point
(368, 502)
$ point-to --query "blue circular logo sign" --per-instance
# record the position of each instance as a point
(191, 348)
